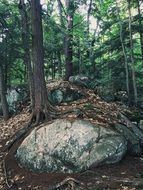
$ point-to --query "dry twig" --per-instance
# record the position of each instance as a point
(71, 184)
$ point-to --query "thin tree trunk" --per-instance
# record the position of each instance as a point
(79, 57)
(124, 52)
(53, 66)
(88, 16)
(140, 32)
(132, 55)
(5, 74)
(87, 33)
(60, 5)
(26, 47)
(91, 52)
(59, 64)
(3, 95)
(69, 40)
(61, 11)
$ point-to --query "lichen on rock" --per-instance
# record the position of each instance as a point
(70, 146)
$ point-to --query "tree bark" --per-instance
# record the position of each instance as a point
(62, 21)
(41, 106)
(79, 56)
(69, 39)
(88, 16)
(87, 32)
(26, 47)
(140, 32)
(53, 66)
(3, 95)
(132, 54)
(60, 6)
(59, 63)
(124, 52)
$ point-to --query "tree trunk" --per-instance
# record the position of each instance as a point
(140, 32)
(59, 64)
(26, 47)
(91, 52)
(132, 54)
(42, 106)
(69, 40)
(124, 52)
(61, 11)
(87, 32)
(60, 6)
(3, 95)
(88, 16)
(79, 57)
(53, 66)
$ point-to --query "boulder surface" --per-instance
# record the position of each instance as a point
(70, 146)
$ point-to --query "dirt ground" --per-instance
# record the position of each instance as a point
(126, 175)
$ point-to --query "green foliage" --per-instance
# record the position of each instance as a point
(11, 48)
(98, 54)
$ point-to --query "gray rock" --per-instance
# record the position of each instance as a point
(80, 80)
(133, 137)
(55, 96)
(12, 98)
(70, 146)
(64, 95)
(71, 95)
(141, 124)
(15, 96)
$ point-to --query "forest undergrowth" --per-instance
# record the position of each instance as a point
(127, 175)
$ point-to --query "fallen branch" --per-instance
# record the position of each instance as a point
(69, 182)
(136, 182)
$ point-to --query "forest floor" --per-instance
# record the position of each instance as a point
(126, 175)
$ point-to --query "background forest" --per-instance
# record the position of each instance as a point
(99, 39)
(77, 66)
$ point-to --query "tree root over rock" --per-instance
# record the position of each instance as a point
(39, 116)
(17, 137)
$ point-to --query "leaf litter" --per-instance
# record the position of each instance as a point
(91, 108)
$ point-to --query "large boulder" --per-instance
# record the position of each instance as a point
(70, 146)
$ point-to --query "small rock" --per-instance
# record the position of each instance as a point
(141, 124)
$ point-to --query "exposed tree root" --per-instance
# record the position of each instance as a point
(11, 185)
(68, 183)
(17, 137)
(38, 116)
(5, 174)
